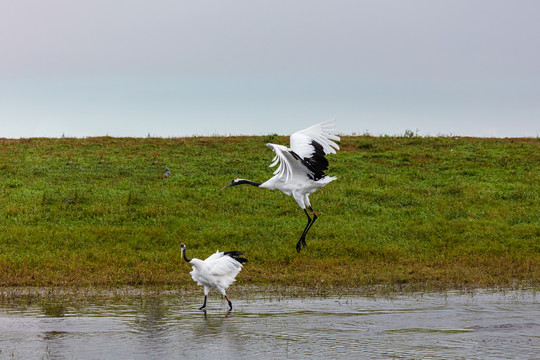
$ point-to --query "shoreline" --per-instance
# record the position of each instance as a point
(8, 294)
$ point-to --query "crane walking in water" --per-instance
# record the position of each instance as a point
(218, 271)
(302, 167)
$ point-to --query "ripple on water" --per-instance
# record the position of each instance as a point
(438, 325)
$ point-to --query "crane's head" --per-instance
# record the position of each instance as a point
(183, 249)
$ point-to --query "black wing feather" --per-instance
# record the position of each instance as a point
(236, 256)
(317, 163)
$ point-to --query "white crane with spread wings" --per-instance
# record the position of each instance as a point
(301, 168)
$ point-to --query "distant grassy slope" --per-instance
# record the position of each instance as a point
(438, 211)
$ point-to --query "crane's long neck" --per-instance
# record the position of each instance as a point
(184, 255)
(249, 182)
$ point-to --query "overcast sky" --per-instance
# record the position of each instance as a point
(217, 67)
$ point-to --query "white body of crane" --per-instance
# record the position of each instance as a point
(301, 168)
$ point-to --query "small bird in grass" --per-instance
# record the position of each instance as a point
(301, 169)
(218, 271)
(167, 173)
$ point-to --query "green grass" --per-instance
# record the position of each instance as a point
(438, 212)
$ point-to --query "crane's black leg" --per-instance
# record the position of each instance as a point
(310, 225)
(229, 301)
(204, 304)
(302, 242)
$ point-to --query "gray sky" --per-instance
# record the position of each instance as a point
(177, 68)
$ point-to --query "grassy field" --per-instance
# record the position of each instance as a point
(433, 212)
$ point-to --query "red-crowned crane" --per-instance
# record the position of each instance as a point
(302, 167)
(218, 271)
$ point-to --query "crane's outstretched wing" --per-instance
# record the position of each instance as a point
(220, 263)
(224, 269)
(221, 266)
(215, 256)
(290, 164)
(225, 266)
(312, 144)
(304, 142)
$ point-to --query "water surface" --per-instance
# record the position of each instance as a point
(448, 325)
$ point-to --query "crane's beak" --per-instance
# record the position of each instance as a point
(226, 186)
(232, 183)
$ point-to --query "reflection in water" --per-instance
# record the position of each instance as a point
(53, 342)
(441, 325)
(204, 311)
(150, 317)
(53, 338)
(213, 324)
(53, 309)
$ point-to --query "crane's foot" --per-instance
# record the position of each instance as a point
(204, 304)
(300, 244)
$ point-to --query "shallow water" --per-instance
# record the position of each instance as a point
(451, 325)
